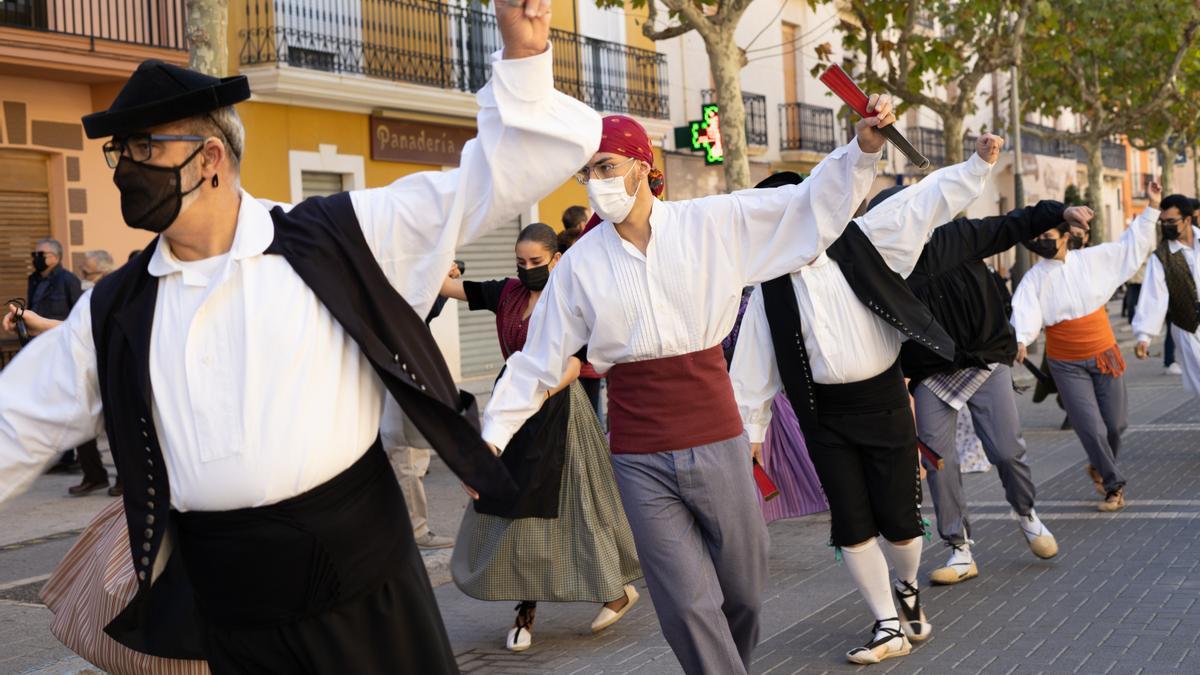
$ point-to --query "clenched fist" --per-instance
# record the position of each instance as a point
(987, 146)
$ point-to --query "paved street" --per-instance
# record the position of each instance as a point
(1121, 596)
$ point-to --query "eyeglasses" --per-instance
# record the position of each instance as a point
(140, 147)
(1170, 222)
(603, 170)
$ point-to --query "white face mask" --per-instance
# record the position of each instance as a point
(609, 198)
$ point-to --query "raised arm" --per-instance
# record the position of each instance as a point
(531, 138)
(49, 400)
(966, 239)
(900, 225)
(557, 331)
(1151, 312)
(1111, 265)
(754, 373)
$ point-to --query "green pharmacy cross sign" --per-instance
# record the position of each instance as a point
(703, 135)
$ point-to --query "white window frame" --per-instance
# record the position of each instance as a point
(351, 167)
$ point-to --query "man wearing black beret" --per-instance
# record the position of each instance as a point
(239, 365)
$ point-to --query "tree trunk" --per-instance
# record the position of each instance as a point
(1095, 190)
(207, 32)
(952, 130)
(726, 62)
(1167, 161)
(1196, 170)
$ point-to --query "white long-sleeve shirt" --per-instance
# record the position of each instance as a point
(1053, 291)
(1151, 312)
(258, 392)
(846, 341)
(683, 294)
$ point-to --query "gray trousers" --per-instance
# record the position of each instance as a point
(1095, 404)
(994, 412)
(702, 542)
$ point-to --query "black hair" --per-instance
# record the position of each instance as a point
(1186, 205)
(574, 217)
(540, 233)
(883, 195)
(567, 239)
(779, 179)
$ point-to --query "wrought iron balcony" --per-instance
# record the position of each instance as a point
(441, 45)
(806, 127)
(756, 115)
(1112, 155)
(931, 143)
(153, 23)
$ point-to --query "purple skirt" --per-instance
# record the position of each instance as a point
(785, 457)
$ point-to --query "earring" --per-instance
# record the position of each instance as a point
(215, 181)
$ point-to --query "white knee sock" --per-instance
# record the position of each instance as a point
(906, 558)
(869, 570)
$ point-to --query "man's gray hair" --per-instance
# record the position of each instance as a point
(101, 259)
(225, 124)
(52, 243)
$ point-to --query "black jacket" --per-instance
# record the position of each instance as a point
(952, 280)
(53, 295)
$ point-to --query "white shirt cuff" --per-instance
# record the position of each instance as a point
(860, 158)
(977, 166)
(496, 435)
(528, 79)
(1142, 337)
(757, 432)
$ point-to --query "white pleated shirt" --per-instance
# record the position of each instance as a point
(682, 295)
(1053, 291)
(258, 393)
(845, 341)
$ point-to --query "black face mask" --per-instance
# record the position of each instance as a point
(1046, 248)
(1170, 232)
(39, 261)
(534, 278)
(1074, 242)
(151, 196)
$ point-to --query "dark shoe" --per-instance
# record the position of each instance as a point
(116, 490)
(62, 466)
(86, 487)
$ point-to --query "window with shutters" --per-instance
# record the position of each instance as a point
(24, 217)
(490, 257)
(320, 183)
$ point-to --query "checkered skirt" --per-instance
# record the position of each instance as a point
(585, 555)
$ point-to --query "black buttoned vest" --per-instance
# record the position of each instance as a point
(322, 241)
(882, 290)
(1183, 305)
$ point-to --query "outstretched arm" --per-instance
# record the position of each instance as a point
(900, 225)
(531, 139)
(49, 400)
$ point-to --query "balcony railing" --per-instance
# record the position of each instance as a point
(806, 127)
(931, 143)
(442, 45)
(756, 114)
(154, 23)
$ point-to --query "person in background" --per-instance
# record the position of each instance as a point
(1169, 295)
(567, 539)
(1066, 292)
(573, 219)
(96, 264)
(52, 292)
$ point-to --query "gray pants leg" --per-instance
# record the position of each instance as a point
(702, 542)
(1095, 402)
(994, 411)
(935, 428)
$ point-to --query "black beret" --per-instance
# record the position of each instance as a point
(158, 93)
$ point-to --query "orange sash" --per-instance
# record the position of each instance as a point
(1088, 337)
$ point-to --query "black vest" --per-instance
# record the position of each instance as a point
(882, 290)
(322, 241)
(1183, 305)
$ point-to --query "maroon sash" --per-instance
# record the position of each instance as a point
(672, 403)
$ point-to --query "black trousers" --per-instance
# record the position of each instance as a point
(90, 462)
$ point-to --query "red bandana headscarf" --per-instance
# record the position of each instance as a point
(624, 136)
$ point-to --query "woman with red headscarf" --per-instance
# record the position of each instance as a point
(652, 291)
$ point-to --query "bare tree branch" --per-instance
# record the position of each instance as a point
(667, 33)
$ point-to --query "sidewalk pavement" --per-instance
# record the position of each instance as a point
(1120, 597)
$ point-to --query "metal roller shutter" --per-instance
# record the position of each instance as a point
(490, 257)
(320, 183)
(24, 218)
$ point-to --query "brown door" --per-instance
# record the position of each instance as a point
(24, 217)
